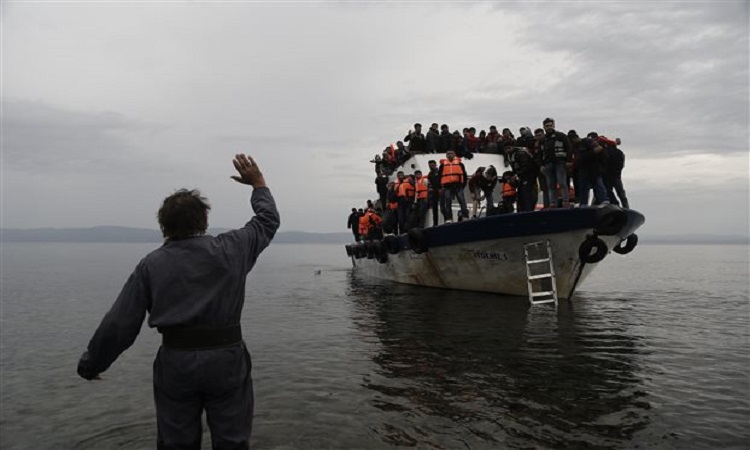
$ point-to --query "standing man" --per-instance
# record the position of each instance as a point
(453, 180)
(193, 288)
(614, 162)
(556, 153)
(435, 195)
(353, 224)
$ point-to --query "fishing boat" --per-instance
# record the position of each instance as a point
(543, 254)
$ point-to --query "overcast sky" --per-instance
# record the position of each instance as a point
(108, 108)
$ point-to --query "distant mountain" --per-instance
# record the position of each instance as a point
(127, 234)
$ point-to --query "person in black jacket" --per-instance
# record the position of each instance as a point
(434, 196)
(525, 167)
(416, 140)
(614, 162)
(353, 224)
(432, 139)
(556, 152)
(445, 140)
(590, 168)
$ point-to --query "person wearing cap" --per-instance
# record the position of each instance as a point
(556, 153)
(193, 289)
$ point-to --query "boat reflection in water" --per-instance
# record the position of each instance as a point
(462, 370)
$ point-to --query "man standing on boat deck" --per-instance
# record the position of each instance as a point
(193, 288)
(453, 180)
(556, 152)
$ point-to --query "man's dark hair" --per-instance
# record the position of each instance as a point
(184, 214)
(431, 161)
(548, 120)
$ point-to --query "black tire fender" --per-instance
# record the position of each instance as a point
(380, 252)
(370, 250)
(592, 243)
(359, 251)
(417, 240)
(610, 220)
(630, 243)
(391, 245)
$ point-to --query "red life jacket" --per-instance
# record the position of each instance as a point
(508, 190)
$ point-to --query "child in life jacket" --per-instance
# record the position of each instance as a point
(509, 186)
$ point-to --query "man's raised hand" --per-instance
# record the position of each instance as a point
(249, 171)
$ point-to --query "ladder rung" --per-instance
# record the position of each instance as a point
(541, 275)
(540, 294)
(537, 302)
(536, 261)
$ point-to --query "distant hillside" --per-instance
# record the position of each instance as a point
(127, 234)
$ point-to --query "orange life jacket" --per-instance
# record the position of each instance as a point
(364, 224)
(452, 172)
(422, 187)
(405, 190)
(508, 190)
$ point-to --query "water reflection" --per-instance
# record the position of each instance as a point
(471, 370)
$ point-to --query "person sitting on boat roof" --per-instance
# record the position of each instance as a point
(510, 182)
(453, 180)
(435, 196)
(378, 161)
(526, 169)
(492, 141)
(481, 185)
(389, 160)
(405, 196)
(445, 139)
(432, 139)
(422, 191)
(402, 153)
(471, 143)
(416, 140)
(457, 142)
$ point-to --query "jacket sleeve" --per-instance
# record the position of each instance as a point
(119, 327)
(262, 227)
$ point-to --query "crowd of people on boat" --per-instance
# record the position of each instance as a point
(564, 167)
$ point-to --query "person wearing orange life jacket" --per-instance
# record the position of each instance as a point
(369, 224)
(453, 180)
(422, 188)
(509, 184)
(405, 195)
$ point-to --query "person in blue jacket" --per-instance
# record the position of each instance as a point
(193, 289)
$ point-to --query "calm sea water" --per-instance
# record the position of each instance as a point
(652, 353)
